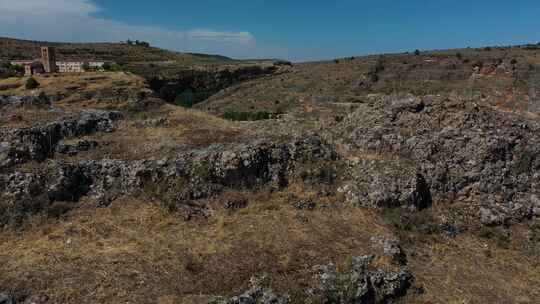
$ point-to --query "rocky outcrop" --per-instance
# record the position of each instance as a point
(360, 282)
(6, 299)
(39, 99)
(76, 148)
(191, 176)
(389, 248)
(114, 95)
(38, 143)
(452, 149)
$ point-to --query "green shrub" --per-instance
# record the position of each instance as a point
(417, 52)
(9, 70)
(31, 83)
(112, 67)
(247, 116)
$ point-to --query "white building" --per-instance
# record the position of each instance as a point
(96, 64)
(78, 66)
(70, 66)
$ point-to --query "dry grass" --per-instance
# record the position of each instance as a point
(64, 85)
(69, 82)
(135, 252)
(472, 270)
(186, 129)
(28, 116)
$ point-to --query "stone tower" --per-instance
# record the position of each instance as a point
(48, 59)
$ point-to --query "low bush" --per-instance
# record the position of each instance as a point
(8, 70)
(112, 67)
(247, 116)
(31, 83)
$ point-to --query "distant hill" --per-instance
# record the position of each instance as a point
(17, 49)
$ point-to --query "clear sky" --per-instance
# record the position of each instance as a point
(296, 30)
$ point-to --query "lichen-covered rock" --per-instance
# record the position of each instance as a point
(39, 99)
(360, 282)
(191, 176)
(305, 205)
(390, 248)
(456, 149)
(387, 184)
(155, 122)
(38, 143)
(74, 149)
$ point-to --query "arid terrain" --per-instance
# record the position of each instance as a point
(395, 178)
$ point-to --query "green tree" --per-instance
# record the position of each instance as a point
(31, 83)
(111, 67)
(417, 52)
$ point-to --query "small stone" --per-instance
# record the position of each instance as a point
(305, 205)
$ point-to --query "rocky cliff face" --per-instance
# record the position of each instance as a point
(202, 82)
(40, 142)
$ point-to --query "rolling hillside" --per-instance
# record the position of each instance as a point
(16, 49)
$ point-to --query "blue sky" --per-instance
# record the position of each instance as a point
(296, 30)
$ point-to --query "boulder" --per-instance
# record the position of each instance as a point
(360, 282)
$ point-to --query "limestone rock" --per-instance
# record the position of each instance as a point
(361, 282)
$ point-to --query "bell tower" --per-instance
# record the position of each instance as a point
(48, 59)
